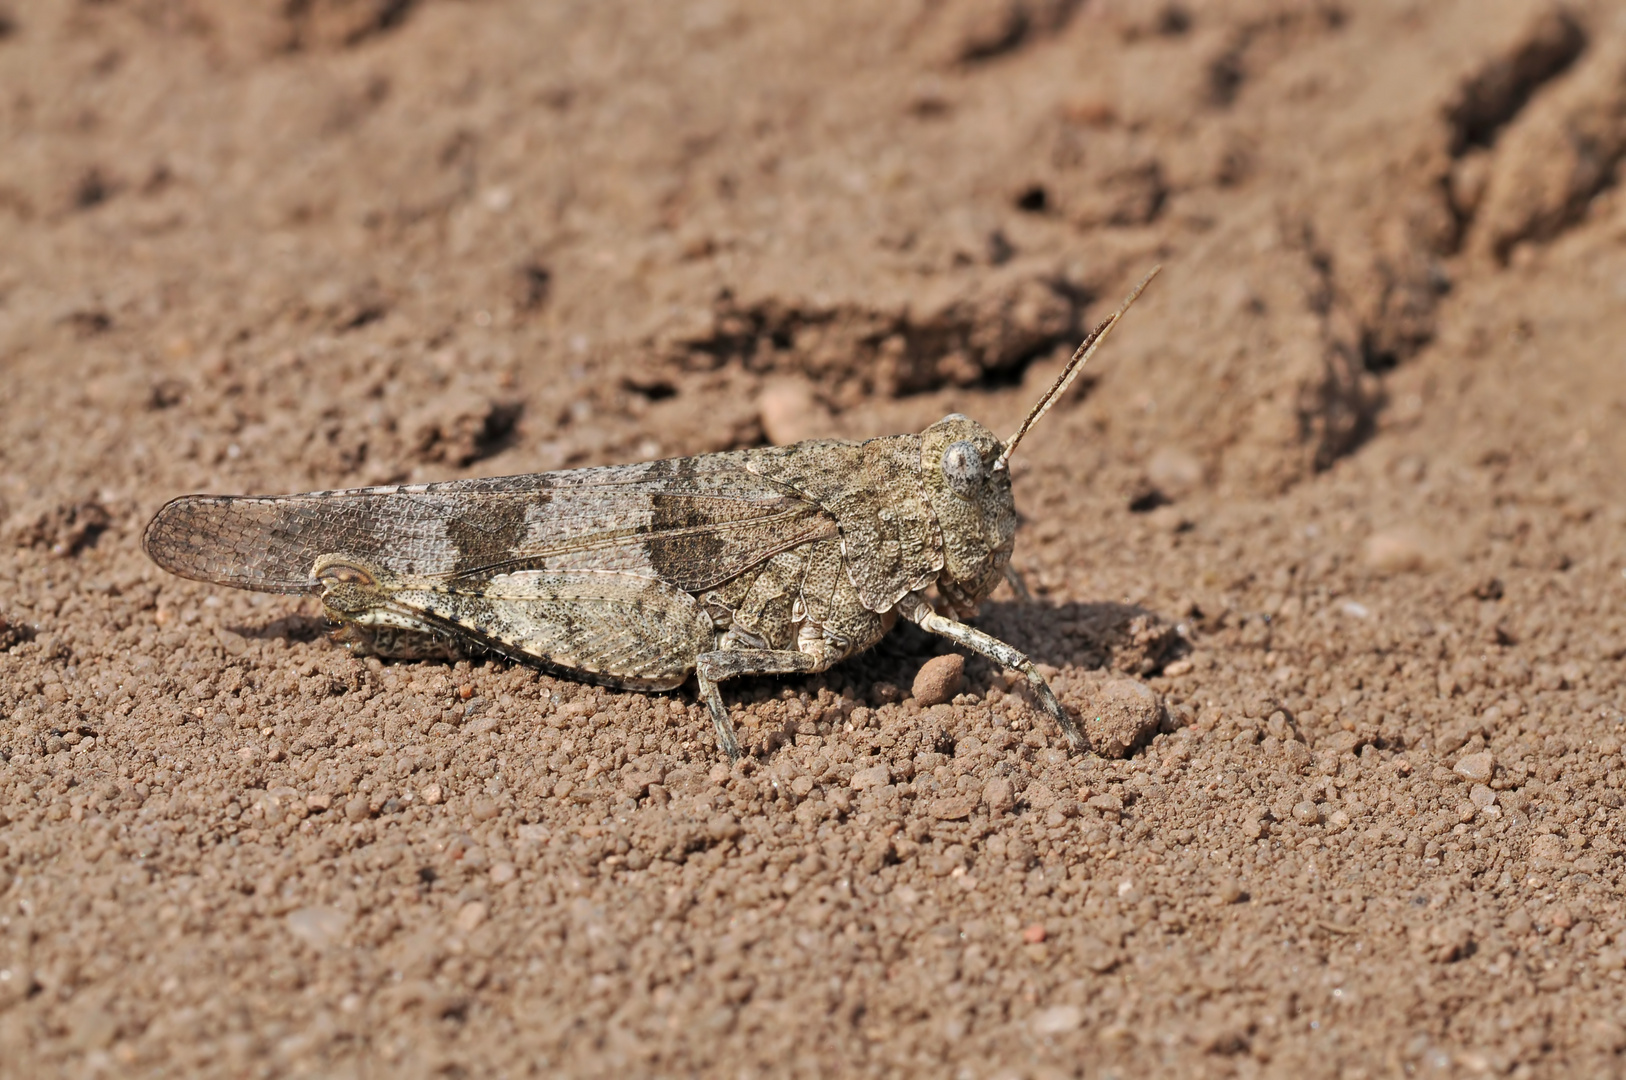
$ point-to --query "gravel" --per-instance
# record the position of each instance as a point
(1371, 516)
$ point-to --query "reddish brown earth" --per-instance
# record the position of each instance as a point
(1346, 493)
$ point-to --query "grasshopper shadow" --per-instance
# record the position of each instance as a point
(301, 628)
(1123, 637)
(1127, 637)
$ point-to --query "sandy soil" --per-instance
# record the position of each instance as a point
(1346, 493)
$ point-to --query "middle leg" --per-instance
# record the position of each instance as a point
(711, 668)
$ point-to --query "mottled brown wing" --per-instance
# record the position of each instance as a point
(889, 536)
(692, 522)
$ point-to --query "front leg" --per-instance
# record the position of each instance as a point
(711, 668)
(915, 608)
(1013, 577)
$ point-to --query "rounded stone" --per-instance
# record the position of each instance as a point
(1175, 471)
(939, 679)
(790, 412)
(470, 916)
(1058, 1020)
(1397, 551)
(318, 927)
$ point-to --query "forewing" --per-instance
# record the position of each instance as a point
(693, 522)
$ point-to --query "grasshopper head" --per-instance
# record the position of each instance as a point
(969, 485)
(350, 591)
(974, 507)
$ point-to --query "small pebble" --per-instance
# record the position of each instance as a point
(357, 809)
(1034, 934)
(790, 412)
(1306, 813)
(998, 795)
(1547, 848)
(952, 808)
(484, 809)
(1058, 1020)
(1606, 1035)
(470, 916)
(1482, 797)
(502, 873)
(873, 777)
(317, 927)
(1397, 551)
(1106, 801)
(939, 679)
(1230, 891)
(432, 794)
(1476, 768)
(1174, 471)
(1121, 715)
(1098, 956)
(725, 827)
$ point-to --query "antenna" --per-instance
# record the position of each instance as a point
(1065, 379)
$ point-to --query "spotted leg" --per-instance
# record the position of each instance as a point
(712, 668)
(916, 609)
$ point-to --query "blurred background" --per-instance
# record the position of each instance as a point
(320, 242)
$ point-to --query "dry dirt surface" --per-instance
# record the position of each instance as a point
(1327, 547)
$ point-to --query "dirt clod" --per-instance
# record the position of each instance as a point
(1475, 768)
(1122, 713)
(998, 795)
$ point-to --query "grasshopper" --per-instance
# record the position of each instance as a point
(769, 561)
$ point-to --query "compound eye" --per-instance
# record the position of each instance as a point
(335, 572)
(962, 467)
